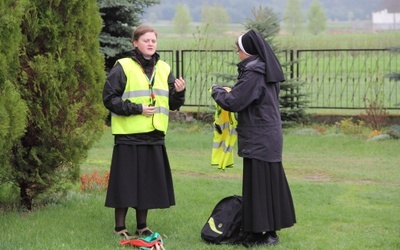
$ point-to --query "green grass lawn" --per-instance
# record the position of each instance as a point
(345, 189)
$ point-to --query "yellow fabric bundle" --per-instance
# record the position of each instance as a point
(225, 138)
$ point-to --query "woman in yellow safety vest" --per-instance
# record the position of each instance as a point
(139, 92)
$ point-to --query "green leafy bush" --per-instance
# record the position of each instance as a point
(349, 126)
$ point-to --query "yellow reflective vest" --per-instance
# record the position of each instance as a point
(139, 90)
(225, 137)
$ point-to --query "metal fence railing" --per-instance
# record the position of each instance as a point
(347, 78)
(334, 79)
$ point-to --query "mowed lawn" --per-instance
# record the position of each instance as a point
(345, 188)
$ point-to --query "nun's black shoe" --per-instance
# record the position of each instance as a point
(270, 241)
(253, 239)
(261, 240)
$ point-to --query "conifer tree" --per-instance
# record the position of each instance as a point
(119, 17)
(12, 107)
(267, 22)
(61, 77)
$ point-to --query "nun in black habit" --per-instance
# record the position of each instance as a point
(267, 200)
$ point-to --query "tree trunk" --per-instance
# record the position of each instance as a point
(26, 200)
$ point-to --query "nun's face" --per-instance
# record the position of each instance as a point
(241, 54)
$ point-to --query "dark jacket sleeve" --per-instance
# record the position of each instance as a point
(242, 94)
(112, 94)
(176, 99)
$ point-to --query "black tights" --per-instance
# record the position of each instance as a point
(120, 216)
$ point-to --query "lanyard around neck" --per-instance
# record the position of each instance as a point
(151, 80)
(151, 84)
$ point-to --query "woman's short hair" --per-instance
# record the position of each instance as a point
(141, 30)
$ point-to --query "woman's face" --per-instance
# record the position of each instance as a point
(147, 44)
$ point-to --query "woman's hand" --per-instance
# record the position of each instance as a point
(180, 84)
(148, 110)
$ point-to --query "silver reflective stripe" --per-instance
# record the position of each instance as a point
(224, 125)
(140, 93)
(222, 145)
(161, 92)
(136, 93)
(161, 110)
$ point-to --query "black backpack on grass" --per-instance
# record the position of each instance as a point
(224, 223)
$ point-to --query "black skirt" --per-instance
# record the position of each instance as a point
(267, 200)
(140, 177)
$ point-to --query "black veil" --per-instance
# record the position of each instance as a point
(253, 43)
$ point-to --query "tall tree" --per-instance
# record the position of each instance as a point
(61, 76)
(119, 17)
(182, 19)
(293, 17)
(265, 21)
(214, 18)
(12, 107)
(316, 18)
